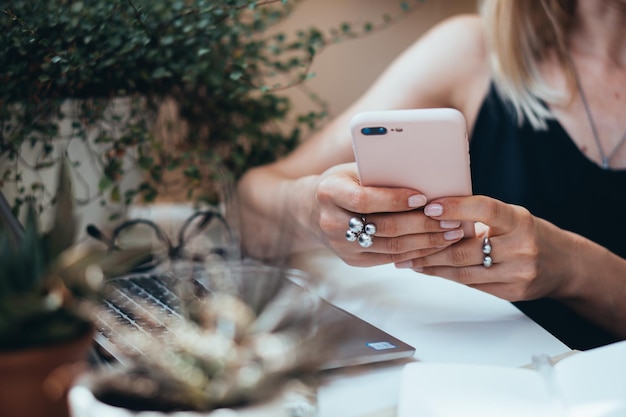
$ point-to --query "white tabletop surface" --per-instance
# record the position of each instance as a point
(443, 320)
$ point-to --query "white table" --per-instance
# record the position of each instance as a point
(443, 320)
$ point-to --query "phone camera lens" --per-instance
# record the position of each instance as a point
(369, 131)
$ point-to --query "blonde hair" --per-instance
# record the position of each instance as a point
(520, 34)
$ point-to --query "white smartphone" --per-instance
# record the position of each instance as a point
(422, 149)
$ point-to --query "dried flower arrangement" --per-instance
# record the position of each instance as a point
(243, 337)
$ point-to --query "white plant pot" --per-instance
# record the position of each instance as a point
(86, 170)
(289, 403)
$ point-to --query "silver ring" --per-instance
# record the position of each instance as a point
(486, 246)
(351, 236)
(365, 240)
(370, 229)
(355, 225)
(361, 231)
(487, 260)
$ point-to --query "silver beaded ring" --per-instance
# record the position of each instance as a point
(487, 259)
(361, 231)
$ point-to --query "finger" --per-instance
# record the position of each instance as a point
(469, 275)
(406, 223)
(365, 258)
(398, 233)
(405, 244)
(345, 191)
(496, 280)
(497, 215)
(465, 253)
(486, 280)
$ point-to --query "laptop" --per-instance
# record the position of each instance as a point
(135, 297)
(357, 343)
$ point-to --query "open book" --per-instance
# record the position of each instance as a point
(585, 384)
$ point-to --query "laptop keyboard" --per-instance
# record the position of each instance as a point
(137, 303)
(150, 288)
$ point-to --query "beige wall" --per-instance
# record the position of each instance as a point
(343, 71)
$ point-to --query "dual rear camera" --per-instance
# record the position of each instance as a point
(379, 130)
(372, 131)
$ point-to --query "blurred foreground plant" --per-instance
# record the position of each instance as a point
(49, 284)
(250, 333)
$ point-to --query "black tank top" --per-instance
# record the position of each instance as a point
(545, 172)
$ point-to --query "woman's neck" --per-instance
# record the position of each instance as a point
(600, 31)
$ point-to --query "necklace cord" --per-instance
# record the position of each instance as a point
(606, 159)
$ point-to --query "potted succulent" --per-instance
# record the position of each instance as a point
(191, 87)
(47, 283)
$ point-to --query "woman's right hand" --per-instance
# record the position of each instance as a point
(403, 232)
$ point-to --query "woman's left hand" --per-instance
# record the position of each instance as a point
(530, 256)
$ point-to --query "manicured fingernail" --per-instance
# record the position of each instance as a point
(417, 200)
(404, 264)
(449, 224)
(453, 234)
(433, 210)
(418, 269)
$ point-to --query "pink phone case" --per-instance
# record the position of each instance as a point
(423, 149)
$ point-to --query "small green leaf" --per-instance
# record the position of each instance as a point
(104, 184)
(161, 72)
(115, 194)
(77, 7)
(236, 75)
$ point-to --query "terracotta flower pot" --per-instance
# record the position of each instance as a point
(35, 382)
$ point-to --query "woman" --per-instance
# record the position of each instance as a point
(542, 86)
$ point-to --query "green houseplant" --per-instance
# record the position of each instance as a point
(217, 67)
(47, 283)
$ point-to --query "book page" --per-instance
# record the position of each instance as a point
(593, 383)
(587, 384)
(453, 390)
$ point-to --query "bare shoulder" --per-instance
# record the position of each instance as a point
(462, 38)
(451, 61)
(460, 32)
(468, 57)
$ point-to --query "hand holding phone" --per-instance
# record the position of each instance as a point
(423, 149)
